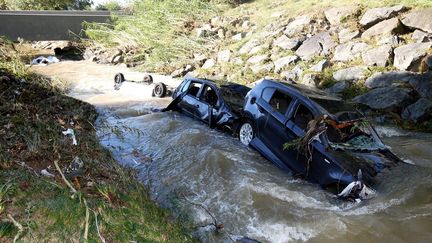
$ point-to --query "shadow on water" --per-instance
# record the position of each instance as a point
(178, 157)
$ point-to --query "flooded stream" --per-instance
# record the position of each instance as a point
(252, 197)
(188, 167)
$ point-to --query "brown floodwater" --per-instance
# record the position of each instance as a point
(193, 165)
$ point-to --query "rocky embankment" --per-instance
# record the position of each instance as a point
(379, 57)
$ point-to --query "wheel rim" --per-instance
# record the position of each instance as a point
(117, 79)
(246, 133)
(158, 90)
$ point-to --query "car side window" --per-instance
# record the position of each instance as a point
(209, 96)
(185, 86)
(267, 94)
(194, 89)
(280, 101)
(302, 116)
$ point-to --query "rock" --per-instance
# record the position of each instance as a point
(320, 66)
(392, 78)
(221, 33)
(336, 15)
(338, 87)
(419, 111)
(420, 36)
(408, 57)
(420, 19)
(286, 43)
(391, 40)
(297, 25)
(319, 44)
(208, 64)
(423, 85)
(379, 56)
(386, 98)
(310, 79)
(178, 73)
(349, 51)
(294, 74)
(117, 59)
(350, 74)
(375, 15)
(237, 60)
(347, 35)
(199, 59)
(246, 48)
(284, 61)
(383, 28)
(239, 36)
(262, 68)
(224, 56)
(245, 24)
(256, 50)
(258, 59)
(204, 31)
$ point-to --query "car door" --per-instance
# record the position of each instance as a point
(208, 101)
(275, 105)
(189, 103)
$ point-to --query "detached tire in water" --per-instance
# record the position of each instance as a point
(147, 79)
(246, 133)
(160, 90)
(119, 78)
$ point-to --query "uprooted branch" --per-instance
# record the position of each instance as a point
(73, 190)
(18, 225)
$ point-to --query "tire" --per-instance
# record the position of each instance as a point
(119, 78)
(160, 90)
(147, 79)
(246, 133)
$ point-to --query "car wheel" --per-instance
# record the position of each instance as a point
(160, 90)
(246, 133)
(148, 79)
(119, 78)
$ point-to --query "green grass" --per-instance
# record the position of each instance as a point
(32, 115)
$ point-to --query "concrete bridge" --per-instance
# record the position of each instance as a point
(48, 25)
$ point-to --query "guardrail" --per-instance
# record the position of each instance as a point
(48, 25)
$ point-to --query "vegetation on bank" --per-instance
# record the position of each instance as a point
(96, 201)
(45, 4)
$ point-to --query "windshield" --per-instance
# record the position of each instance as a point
(357, 134)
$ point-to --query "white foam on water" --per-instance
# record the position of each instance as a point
(390, 131)
(280, 233)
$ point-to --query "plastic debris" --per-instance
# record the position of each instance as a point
(45, 60)
(46, 173)
(70, 132)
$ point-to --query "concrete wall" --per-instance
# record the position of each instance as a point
(47, 25)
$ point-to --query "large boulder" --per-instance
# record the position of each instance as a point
(319, 44)
(375, 15)
(420, 19)
(246, 48)
(419, 111)
(320, 66)
(265, 68)
(224, 56)
(379, 56)
(384, 28)
(338, 87)
(350, 74)
(394, 41)
(420, 36)
(258, 59)
(284, 61)
(347, 35)
(294, 74)
(310, 80)
(408, 57)
(349, 51)
(392, 78)
(297, 25)
(208, 64)
(286, 43)
(336, 15)
(423, 84)
(386, 98)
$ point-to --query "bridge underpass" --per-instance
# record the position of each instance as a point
(48, 25)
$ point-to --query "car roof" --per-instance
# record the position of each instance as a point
(318, 100)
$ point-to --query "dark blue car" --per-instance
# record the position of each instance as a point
(316, 136)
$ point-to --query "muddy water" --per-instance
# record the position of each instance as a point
(253, 198)
(185, 164)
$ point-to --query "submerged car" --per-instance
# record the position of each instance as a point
(316, 136)
(217, 103)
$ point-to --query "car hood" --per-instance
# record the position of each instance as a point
(369, 162)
